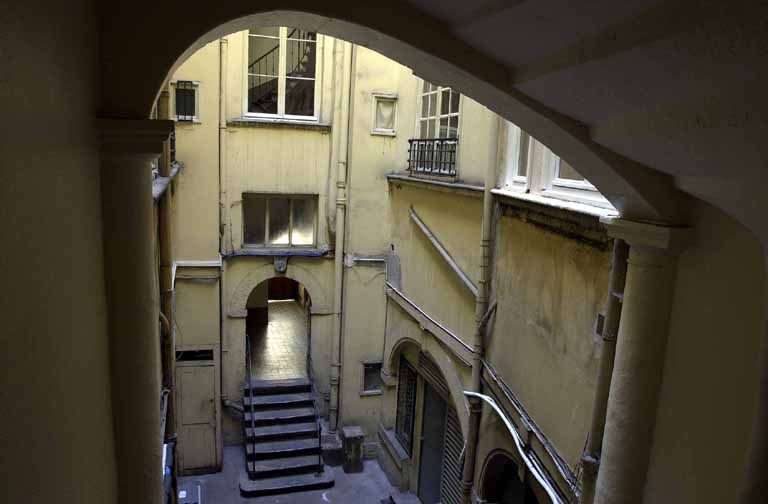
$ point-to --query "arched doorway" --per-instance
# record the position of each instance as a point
(501, 482)
(277, 330)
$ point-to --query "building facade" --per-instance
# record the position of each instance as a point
(313, 159)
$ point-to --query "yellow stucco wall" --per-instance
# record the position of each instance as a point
(550, 289)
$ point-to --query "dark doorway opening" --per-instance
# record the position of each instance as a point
(277, 327)
(502, 484)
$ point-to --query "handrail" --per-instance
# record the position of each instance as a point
(531, 464)
(250, 395)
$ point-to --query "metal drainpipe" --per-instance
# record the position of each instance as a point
(341, 203)
(481, 308)
(165, 246)
(591, 457)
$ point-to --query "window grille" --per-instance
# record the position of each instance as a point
(406, 405)
(432, 156)
(185, 101)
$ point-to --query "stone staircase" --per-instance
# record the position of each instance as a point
(282, 439)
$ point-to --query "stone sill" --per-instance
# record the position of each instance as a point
(439, 185)
(263, 122)
(392, 446)
(280, 252)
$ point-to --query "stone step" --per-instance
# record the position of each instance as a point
(281, 431)
(278, 400)
(291, 386)
(284, 466)
(285, 484)
(276, 416)
(284, 448)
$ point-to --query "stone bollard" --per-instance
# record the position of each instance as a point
(352, 445)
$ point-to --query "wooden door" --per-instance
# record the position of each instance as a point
(197, 416)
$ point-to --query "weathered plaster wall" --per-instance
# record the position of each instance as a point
(709, 390)
(196, 206)
(550, 289)
(426, 278)
(54, 364)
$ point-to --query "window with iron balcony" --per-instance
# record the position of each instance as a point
(433, 153)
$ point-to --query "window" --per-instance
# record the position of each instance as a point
(384, 114)
(532, 168)
(279, 221)
(517, 157)
(439, 112)
(185, 101)
(371, 378)
(406, 405)
(281, 74)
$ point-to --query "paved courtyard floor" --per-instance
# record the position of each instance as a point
(368, 487)
(279, 349)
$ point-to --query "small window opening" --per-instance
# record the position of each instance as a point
(371, 377)
(185, 101)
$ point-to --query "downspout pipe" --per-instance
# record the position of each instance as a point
(481, 310)
(341, 206)
(590, 459)
(165, 246)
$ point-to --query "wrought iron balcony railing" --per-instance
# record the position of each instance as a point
(435, 157)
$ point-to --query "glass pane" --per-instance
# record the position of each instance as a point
(567, 172)
(303, 230)
(279, 215)
(300, 97)
(453, 130)
(431, 129)
(253, 220)
(425, 87)
(265, 31)
(385, 114)
(455, 99)
(371, 377)
(425, 106)
(432, 104)
(423, 128)
(446, 102)
(262, 94)
(298, 34)
(444, 127)
(300, 58)
(263, 54)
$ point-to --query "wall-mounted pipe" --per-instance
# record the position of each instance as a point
(341, 205)
(482, 314)
(590, 459)
(531, 464)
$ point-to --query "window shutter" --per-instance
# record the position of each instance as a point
(450, 486)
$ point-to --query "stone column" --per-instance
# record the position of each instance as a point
(640, 349)
(128, 147)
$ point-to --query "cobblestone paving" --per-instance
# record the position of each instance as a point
(279, 351)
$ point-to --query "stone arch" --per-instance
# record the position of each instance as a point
(637, 191)
(446, 367)
(239, 299)
(497, 464)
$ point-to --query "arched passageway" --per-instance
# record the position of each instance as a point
(278, 330)
(502, 484)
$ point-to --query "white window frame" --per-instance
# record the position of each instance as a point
(516, 155)
(196, 88)
(376, 98)
(542, 169)
(438, 106)
(281, 80)
(266, 197)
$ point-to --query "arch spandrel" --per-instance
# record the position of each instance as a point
(239, 298)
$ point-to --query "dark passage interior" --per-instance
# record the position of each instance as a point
(277, 328)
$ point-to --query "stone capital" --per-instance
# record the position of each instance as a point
(652, 237)
(133, 137)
